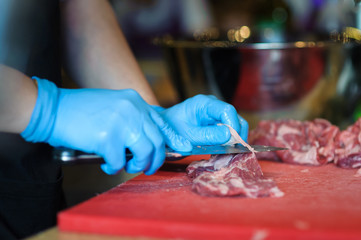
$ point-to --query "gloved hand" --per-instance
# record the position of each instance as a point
(105, 122)
(196, 119)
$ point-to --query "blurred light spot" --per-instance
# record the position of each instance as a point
(311, 44)
(245, 32)
(197, 35)
(238, 36)
(230, 35)
(300, 44)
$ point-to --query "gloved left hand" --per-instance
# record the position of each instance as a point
(196, 119)
(105, 122)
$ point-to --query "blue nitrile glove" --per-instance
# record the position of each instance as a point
(196, 119)
(105, 122)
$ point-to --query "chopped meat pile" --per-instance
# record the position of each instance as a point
(309, 142)
(348, 147)
(314, 142)
(231, 175)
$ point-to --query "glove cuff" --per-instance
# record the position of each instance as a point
(43, 117)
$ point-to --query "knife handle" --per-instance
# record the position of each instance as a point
(71, 156)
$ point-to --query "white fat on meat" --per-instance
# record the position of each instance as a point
(213, 181)
(222, 162)
(284, 129)
(276, 192)
(235, 138)
(308, 157)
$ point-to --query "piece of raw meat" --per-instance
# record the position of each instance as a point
(308, 142)
(348, 147)
(231, 175)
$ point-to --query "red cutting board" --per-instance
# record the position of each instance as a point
(319, 203)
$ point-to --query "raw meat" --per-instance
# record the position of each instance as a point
(231, 175)
(348, 147)
(309, 142)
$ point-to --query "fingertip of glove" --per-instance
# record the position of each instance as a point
(150, 172)
(108, 169)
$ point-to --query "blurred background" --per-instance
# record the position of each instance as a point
(269, 58)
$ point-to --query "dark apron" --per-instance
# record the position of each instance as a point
(30, 183)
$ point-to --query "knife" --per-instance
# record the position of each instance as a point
(70, 156)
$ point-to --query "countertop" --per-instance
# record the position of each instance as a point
(55, 234)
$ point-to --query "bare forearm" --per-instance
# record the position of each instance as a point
(97, 54)
(18, 95)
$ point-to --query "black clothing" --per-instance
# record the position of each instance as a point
(30, 183)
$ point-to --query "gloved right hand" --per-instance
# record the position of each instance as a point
(197, 119)
(104, 122)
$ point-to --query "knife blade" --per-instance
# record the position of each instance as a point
(70, 156)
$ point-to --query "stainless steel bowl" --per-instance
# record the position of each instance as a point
(263, 79)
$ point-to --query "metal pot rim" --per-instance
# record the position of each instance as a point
(171, 43)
